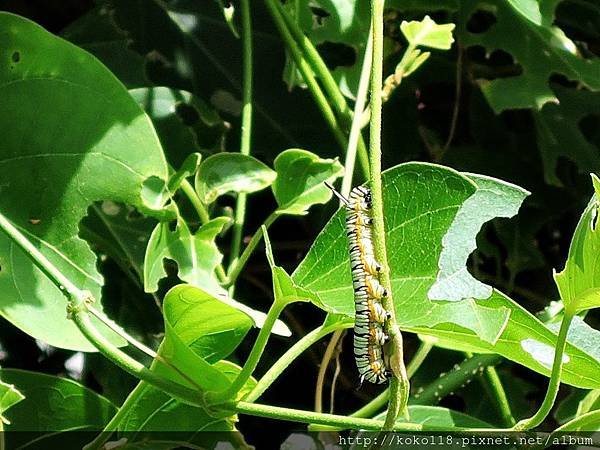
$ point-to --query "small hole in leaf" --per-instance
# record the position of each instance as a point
(336, 54)
(480, 21)
(173, 225)
(16, 57)
(319, 14)
(133, 215)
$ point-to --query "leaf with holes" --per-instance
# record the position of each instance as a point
(72, 135)
(563, 131)
(541, 50)
(445, 209)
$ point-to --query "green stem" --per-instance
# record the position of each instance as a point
(499, 395)
(199, 207)
(241, 262)
(310, 417)
(202, 212)
(371, 408)
(132, 366)
(77, 297)
(307, 73)
(461, 375)
(288, 357)
(253, 358)
(115, 421)
(78, 307)
(399, 383)
(554, 382)
(121, 332)
(240, 205)
(355, 129)
(330, 86)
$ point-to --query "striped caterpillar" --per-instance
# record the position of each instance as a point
(370, 315)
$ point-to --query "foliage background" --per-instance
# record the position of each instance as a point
(505, 72)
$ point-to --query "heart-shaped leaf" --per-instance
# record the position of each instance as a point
(72, 135)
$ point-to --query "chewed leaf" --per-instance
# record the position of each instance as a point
(493, 198)
(419, 200)
(427, 33)
(90, 142)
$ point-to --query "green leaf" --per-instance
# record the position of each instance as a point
(493, 198)
(9, 396)
(85, 125)
(53, 408)
(151, 412)
(285, 290)
(419, 200)
(427, 33)
(185, 309)
(526, 341)
(212, 328)
(231, 172)
(529, 9)
(548, 51)
(438, 416)
(196, 255)
(190, 166)
(586, 422)
(560, 134)
(300, 180)
(430, 202)
(184, 122)
(579, 282)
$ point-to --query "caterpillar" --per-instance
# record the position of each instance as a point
(370, 314)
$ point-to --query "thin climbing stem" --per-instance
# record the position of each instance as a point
(499, 395)
(202, 212)
(330, 86)
(199, 207)
(329, 351)
(253, 358)
(399, 383)
(307, 73)
(359, 106)
(246, 135)
(237, 268)
(311, 417)
(130, 365)
(554, 383)
(114, 422)
(289, 356)
(375, 405)
(73, 293)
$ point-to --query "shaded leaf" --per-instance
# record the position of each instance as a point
(196, 255)
(53, 408)
(540, 50)
(300, 180)
(86, 124)
(9, 396)
(231, 172)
